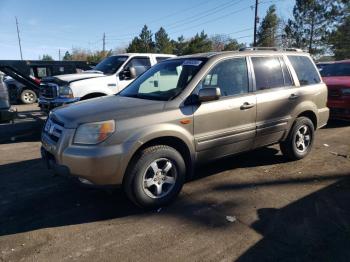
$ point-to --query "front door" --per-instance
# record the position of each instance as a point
(226, 126)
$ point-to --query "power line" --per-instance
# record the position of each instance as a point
(188, 20)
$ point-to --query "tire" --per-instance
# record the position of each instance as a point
(300, 139)
(28, 97)
(156, 177)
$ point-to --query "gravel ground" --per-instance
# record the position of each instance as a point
(251, 207)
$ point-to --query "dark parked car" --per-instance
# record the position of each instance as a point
(37, 70)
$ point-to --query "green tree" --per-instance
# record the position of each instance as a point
(267, 32)
(312, 22)
(162, 42)
(180, 46)
(200, 43)
(220, 42)
(98, 56)
(47, 57)
(143, 43)
(232, 45)
(340, 37)
(67, 56)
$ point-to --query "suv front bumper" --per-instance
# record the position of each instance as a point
(99, 165)
(46, 104)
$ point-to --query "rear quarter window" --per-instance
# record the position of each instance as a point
(305, 70)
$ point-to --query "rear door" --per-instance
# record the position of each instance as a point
(276, 97)
(226, 126)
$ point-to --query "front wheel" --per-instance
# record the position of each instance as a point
(300, 139)
(28, 96)
(156, 177)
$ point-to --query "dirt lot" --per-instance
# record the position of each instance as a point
(252, 207)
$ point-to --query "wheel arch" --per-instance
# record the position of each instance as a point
(173, 141)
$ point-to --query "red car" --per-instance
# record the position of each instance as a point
(336, 75)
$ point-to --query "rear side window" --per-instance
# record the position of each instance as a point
(305, 70)
(268, 73)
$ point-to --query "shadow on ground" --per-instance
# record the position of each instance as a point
(314, 228)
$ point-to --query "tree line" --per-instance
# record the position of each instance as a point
(318, 26)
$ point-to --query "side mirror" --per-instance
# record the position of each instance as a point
(128, 73)
(133, 73)
(209, 94)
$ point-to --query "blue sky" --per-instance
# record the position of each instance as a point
(47, 26)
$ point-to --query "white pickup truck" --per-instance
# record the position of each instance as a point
(109, 77)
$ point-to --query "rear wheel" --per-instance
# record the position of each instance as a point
(156, 177)
(300, 139)
(28, 96)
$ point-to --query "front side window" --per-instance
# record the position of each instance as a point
(141, 64)
(305, 70)
(231, 76)
(165, 80)
(268, 73)
(110, 65)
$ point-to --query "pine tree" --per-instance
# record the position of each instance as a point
(200, 43)
(340, 37)
(162, 42)
(143, 43)
(180, 45)
(67, 56)
(267, 33)
(312, 21)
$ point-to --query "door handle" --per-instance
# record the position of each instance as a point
(246, 105)
(293, 96)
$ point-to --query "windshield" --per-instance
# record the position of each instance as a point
(337, 69)
(110, 65)
(165, 80)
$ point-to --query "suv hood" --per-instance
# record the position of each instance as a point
(76, 77)
(105, 108)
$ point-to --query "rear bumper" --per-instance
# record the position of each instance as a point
(339, 109)
(49, 104)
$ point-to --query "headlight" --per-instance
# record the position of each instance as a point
(94, 133)
(65, 91)
(345, 91)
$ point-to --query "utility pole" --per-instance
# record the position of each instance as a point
(104, 42)
(59, 54)
(256, 20)
(19, 39)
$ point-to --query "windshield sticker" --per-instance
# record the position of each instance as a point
(192, 62)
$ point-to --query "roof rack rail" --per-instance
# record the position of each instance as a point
(257, 48)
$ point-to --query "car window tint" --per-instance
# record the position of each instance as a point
(141, 64)
(231, 76)
(336, 69)
(268, 72)
(305, 70)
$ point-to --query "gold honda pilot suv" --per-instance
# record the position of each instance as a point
(184, 111)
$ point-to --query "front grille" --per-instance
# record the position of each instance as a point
(49, 90)
(53, 129)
